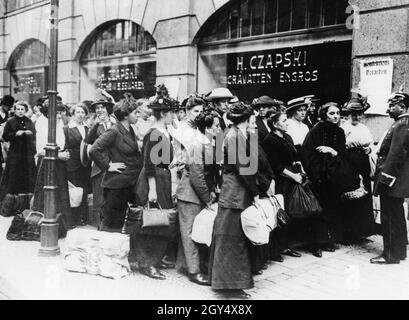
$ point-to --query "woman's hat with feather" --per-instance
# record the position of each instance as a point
(357, 103)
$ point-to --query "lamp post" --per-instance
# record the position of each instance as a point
(49, 228)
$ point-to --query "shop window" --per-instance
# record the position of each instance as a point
(247, 18)
(121, 38)
(119, 58)
(29, 65)
(12, 5)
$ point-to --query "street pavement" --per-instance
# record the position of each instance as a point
(345, 275)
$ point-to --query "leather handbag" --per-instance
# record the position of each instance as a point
(158, 217)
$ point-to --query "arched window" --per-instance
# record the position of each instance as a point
(28, 66)
(121, 38)
(249, 18)
(120, 57)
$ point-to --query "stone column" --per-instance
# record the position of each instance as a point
(68, 69)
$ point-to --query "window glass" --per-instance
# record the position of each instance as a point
(299, 14)
(246, 18)
(124, 37)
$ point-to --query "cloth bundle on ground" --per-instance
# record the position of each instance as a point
(26, 226)
(303, 204)
(13, 204)
(97, 253)
(202, 230)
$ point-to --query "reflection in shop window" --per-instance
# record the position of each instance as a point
(120, 58)
(12, 5)
(121, 38)
(246, 18)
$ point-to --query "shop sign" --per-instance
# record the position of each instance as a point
(134, 78)
(27, 84)
(323, 70)
(376, 83)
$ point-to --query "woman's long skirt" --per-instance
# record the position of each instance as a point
(81, 178)
(358, 218)
(229, 266)
(97, 200)
(150, 245)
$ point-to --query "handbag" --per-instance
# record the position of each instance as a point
(282, 216)
(157, 217)
(356, 194)
(32, 227)
(302, 203)
(76, 194)
(133, 216)
(9, 206)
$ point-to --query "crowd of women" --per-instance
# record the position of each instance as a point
(164, 154)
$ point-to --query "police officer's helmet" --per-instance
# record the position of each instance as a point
(399, 98)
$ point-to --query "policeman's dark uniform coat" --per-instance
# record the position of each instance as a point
(392, 184)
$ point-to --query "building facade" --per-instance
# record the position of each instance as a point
(282, 48)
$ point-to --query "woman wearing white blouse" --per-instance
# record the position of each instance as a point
(359, 221)
(297, 112)
(78, 175)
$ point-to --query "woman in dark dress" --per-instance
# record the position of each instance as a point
(154, 186)
(103, 110)
(259, 255)
(75, 133)
(285, 161)
(20, 172)
(230, 265)
(327, 166)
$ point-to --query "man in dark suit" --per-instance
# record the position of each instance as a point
(392, 182)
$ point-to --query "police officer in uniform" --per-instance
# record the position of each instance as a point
(392, 182)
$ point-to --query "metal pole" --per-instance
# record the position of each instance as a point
(49, 228)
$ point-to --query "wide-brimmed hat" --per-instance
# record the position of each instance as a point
(104, 102)
(300, 102)
(84, 153)
(163, 104)
(266, 101)
(239, 110)
(220, 93)
(356, 105)
(8, 101)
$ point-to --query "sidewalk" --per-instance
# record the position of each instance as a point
(345, 274)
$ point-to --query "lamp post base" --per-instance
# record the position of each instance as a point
(49, 240)
(49, 252)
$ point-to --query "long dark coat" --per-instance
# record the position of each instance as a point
(321, 167)
(230, 265)
(20, 173)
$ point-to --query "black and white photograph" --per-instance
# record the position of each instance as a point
(209, 152)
